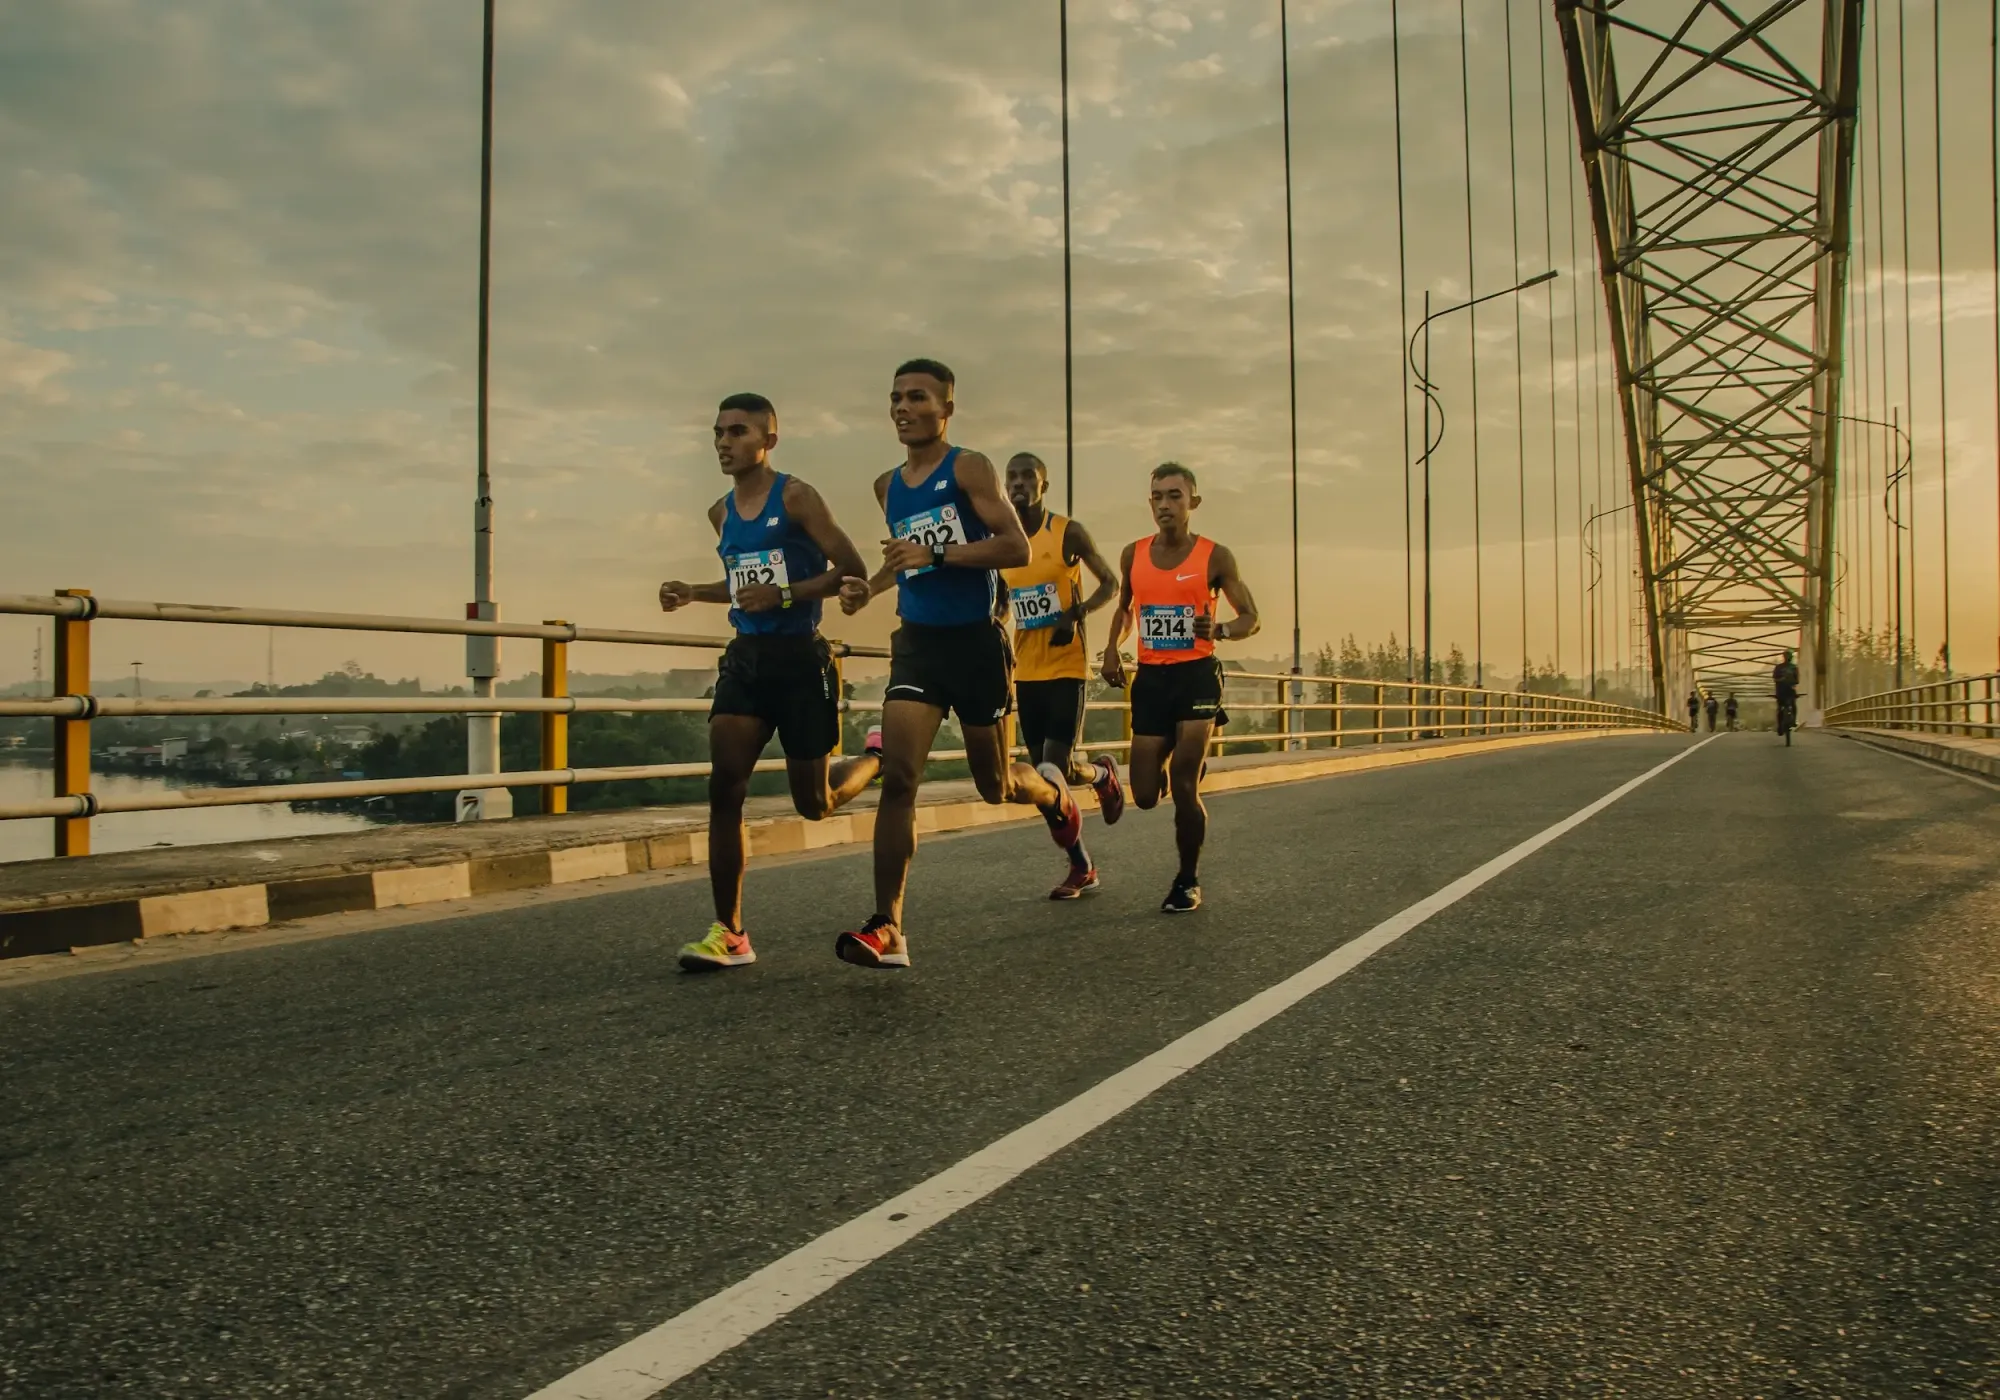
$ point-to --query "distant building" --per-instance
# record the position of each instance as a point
(173, 751)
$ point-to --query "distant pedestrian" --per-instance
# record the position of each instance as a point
(1729, 709)
(1711, 705)
(1694, 711)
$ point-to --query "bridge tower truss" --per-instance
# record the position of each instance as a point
(1717, 142)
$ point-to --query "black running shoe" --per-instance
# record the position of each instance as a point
(1183, 898)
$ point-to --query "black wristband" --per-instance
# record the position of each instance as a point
(937, 556)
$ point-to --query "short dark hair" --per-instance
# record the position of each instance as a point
(1174, 469)
(936, 369)
(1041, 467)
(749, 403)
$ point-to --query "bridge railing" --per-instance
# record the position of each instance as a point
(1967, 705)
(1347, 710)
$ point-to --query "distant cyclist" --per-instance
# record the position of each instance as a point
(1711, 704)
(1729, 710)
(1785, 682)
(1694, 711)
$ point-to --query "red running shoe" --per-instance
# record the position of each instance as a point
(1066, 822)
(879, 943)
(1076, 884)
(1110, 792)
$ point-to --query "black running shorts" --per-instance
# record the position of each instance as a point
(1049, 711)
(1163, 697)
(789, 682)
(967, 670)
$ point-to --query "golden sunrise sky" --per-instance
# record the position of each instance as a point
(238, 271)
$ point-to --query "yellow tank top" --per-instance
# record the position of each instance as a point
(1037, 594)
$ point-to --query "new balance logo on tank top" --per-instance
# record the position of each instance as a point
(936, 511)
(772, 548)
(1165, 603)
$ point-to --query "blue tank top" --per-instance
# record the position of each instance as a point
(771, 548)
(937, 512)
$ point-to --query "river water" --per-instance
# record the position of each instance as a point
(131, 831)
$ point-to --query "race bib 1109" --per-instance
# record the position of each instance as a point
(1035, 607)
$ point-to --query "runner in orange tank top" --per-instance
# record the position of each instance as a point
(1168, 585)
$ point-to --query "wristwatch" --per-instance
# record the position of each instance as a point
(937, 556)
(785, 596)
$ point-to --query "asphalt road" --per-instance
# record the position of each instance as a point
(1698, 1100)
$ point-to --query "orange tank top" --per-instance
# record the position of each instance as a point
(1165, 603)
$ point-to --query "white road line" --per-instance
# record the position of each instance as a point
(655, 1359)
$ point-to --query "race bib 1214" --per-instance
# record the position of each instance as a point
(1166, 627)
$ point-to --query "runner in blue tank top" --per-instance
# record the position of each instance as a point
(950, 530)
(781, 554)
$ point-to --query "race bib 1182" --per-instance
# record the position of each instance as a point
(760, 566)
(1035, 607)
(1166, 627)
(938, 525)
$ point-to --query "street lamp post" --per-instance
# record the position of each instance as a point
(1431, 400)
(482, 654)
(1892, 508)
(1596, 577)
(1892, 511)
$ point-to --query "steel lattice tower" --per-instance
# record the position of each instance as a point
(1718, 141)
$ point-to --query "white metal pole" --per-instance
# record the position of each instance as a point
(482, 654)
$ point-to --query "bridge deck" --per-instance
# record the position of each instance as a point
(1694, 1100)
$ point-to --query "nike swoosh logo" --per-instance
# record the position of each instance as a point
(1184, 578)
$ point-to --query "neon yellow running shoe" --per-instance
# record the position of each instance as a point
(723, 947)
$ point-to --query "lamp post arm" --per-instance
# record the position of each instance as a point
(1410, 350)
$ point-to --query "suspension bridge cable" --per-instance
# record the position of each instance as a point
(1472, 352)
(1583, 619)
(1520, 392)
(1893, 453)
(1069, 385)
(1857, 459)
(1292, 334)
(1865, 539)
(1555, 454)
(1909, 486)
(1620, 539)
(1597, 409)
(1993, 207)
(1403, 316)
(1944, 365)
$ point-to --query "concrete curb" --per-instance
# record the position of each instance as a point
(1939, 749)
(74, 925)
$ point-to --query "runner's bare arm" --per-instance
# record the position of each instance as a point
(856, 591)
(1113, 668)
(1005, 548)
(1077, 544)
(843, 560)
(676, 594)
(1222, 574)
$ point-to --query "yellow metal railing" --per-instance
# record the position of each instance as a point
(1351, 710)
(1968, 705)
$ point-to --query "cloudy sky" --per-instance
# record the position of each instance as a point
(238, 272)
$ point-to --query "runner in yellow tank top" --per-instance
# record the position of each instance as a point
(1044, 597)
